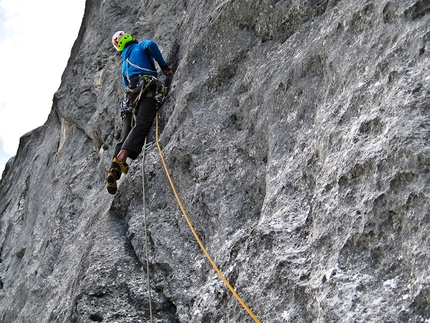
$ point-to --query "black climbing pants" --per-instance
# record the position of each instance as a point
(133, 138)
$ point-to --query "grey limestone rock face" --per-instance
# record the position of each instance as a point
(297, 134)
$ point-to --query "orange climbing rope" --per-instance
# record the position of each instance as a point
(194, 231)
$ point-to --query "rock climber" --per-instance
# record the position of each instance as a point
(141, 86)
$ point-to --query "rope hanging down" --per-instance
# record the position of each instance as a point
(146, 232)
(194, 231)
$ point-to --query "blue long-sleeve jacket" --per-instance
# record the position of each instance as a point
(139, 59)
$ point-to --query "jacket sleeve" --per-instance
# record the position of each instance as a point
(151, 47)
(124, 78)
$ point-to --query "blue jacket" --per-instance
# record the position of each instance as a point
(139, 59)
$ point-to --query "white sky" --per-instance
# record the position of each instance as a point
(36, 38)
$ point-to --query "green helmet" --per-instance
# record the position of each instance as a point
(120, 39)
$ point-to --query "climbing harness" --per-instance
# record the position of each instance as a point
(194, 231)
(147, 82)
(131, 99)
(146, 233)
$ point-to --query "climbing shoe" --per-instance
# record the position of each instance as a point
(114, 174)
